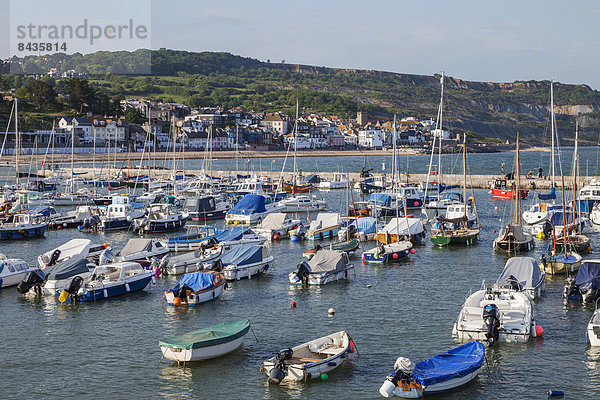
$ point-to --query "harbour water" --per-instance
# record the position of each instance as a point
(109, 349)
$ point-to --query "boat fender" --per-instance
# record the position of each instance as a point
(331, 363)
(351, 346)
(539, 331)
(555, 393)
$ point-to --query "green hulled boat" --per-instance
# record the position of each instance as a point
(464, 237)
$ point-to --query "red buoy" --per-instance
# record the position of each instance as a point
(275, 235)
(412, 251)
(395, 255)
(539, 331)
(293, 304)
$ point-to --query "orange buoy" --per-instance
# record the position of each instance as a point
(275, 235)
(176, 301)
(293, 304)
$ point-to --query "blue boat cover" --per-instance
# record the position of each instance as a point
(455, 363)
(196, 281)
(568, 258)
(43, 210)
(442, 187)
(242, 255)
(380, 199)
(366, 224)
(67, 269)
(588, 276)
(249, 204)
(559, 220)
(548, 196)
(232, 234)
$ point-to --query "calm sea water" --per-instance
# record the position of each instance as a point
(109, 349)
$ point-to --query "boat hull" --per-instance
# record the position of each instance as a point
(22, 233)
(195, 299)
(321, 234)
(465, 239)
(237, 272)
(205, 353)
(507, 194)
(437, 388)
(107, 291)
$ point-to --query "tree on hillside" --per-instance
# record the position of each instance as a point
(82, 96)
(134, 116)
(40, 93)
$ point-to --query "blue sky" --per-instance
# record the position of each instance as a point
(473, 40)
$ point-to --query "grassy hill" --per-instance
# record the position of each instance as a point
(493, 110)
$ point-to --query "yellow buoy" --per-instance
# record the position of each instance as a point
(64, 295)
(541, 235)
(236, 222)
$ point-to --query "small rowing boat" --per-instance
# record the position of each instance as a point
(203, 344)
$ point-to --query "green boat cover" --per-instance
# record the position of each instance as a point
(209, 336)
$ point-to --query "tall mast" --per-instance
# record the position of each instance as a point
(440, 130)
(575, 165)
(518, 192)
(174, 154)
(237, 149)
(72, 160)
(465, 170)
(552, 127)
(17, 139)
(295, 141)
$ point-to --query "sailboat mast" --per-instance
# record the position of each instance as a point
(174, 153)
(465, 170)
(518, 191)
(440, 131)
(17, 139)
(552, 128)
(564, 217)
(347, 209)
(295, 145)
(575, 165)
(72, 160)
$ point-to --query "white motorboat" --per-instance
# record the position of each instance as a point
(243, 261)
(495, 316)
(251, 209)
(55, 278)
(441, 373)
(111, 280)
(595, 214)
(539, 213)
(276, 226)
(593, 328)
(522, 274)
(119, 215)
(74, 248)
(302, 204)
(12, 271)
(338, 181)
(160, 218)
(324, 266)
(196, 288)
(309, 360)
(188, 262)
(142, 251)
(203, 344)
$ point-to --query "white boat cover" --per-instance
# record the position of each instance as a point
(273, 221)
(327, 260)
(525, 269)
(325, 220)
(136, 245)
(403, 226)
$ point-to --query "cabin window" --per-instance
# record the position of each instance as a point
(11, 268)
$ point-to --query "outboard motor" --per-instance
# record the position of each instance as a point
(105, 257)
(404, 370)
(303, 272)
(182, 292)
(547, 229)
(75, 285)
(514, 283)
(54, 257)
(278, 372)
(216, 265)
(32, 279)
(570, 290)
(492, 322)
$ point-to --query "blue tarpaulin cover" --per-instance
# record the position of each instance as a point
(559, 220)
(548, 196)
(366, 224)
(455, 363)
(588, 275)
(380, 199)
(242, 255)
(249, 204)
(231, 234)
(196, 281)
(67, 269)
